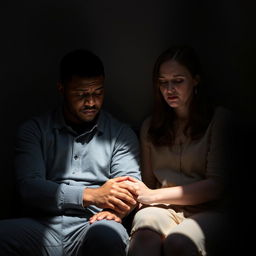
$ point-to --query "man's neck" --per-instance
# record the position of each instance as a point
(81, 128)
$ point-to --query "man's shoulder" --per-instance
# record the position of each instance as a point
(43, 120)
(112, 122)
(113, 125)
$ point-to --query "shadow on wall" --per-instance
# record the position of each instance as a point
(36, 36)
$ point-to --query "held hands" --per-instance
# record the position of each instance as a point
(137, 190)
(145, 195)
(114, 194)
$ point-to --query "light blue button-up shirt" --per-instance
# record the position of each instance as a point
(53, 164)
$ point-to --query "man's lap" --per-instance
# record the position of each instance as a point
(26, 236)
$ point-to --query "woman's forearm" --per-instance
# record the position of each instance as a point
(192, 194)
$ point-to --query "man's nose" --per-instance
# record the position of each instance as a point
(89, 100)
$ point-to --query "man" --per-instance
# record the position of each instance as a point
(70, 164)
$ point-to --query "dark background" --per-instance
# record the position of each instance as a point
(128, 36)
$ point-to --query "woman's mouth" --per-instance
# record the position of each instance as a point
(173, 97)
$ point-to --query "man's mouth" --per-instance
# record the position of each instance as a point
(89, 111)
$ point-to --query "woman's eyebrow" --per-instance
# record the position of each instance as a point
(175, 75)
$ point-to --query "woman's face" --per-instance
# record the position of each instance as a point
(176, 84)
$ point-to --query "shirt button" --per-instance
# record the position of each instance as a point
(74, 171)
(76, 157)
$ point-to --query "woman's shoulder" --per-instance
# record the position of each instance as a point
(146, 122)
(145, 126)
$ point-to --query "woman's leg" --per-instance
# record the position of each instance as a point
(150, 226)
(145, 242)
(179, 245)
(199, 234)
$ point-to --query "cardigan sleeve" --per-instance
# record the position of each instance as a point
(218, 157)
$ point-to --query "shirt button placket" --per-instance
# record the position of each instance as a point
(75, 164)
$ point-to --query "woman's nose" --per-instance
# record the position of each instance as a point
(170, 86)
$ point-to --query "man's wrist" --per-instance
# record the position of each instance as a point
(88, 198)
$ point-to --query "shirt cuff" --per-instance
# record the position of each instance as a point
(72, 197)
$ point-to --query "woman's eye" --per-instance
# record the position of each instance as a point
(177, 81)
(163, 82)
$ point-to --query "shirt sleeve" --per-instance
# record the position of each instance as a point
(36, 191)
(218, 159)
(125, 158)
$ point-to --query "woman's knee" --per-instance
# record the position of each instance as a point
(153, 218)
(145, 242)
(179, 245)
(146, 236)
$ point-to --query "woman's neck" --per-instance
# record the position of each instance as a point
(181, 114)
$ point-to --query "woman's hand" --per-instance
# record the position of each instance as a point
(145, 195)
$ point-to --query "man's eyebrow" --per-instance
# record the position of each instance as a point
(99, 88)
(87, 89)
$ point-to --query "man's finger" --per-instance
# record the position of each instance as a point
(93, 219)
(122, 178)
(120, 206)
(124, 190)
(125, 198)
(132, 179)
(132, 188)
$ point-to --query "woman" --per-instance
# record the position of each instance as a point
(183, 163)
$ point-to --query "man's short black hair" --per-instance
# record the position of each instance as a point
(82, 63)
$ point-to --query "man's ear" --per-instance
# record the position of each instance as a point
(60, 87)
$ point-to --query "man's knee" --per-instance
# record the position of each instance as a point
(105, 237)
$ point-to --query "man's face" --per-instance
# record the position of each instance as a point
(83, 98)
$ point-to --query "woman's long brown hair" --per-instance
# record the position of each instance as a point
(161, 129)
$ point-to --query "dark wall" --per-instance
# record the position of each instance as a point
(128, 36)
